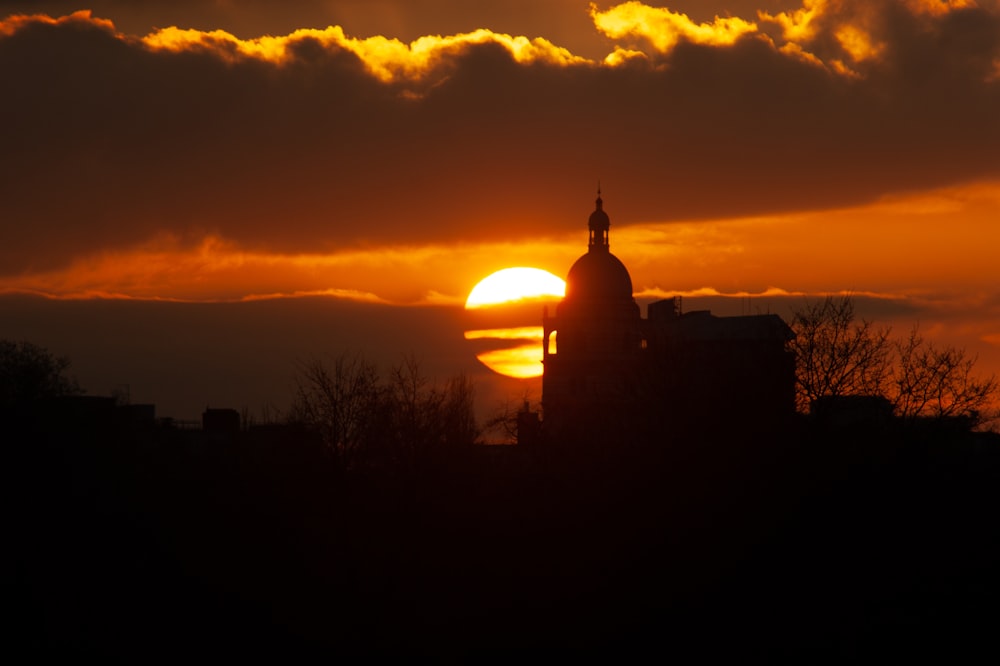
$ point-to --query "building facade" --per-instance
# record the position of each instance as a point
(609, 373)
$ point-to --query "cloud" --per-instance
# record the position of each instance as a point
(656, 293)
(15, 22)
(182, 356)
(663, 28)
(388, 60)
(320, 143)
(216, 270)
(846, 35)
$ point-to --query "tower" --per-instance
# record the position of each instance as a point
(592, 346)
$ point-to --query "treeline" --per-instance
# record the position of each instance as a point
(29, 373)
(367, 421)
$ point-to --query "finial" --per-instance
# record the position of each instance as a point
(599, 200)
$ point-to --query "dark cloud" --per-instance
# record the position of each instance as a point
(109, 143)
(565, 22)
(184, 356)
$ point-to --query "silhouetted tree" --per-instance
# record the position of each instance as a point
(415, 408)
(938, 382)
(427, 419)
(29, 373)
(838, 355)
(459, 412)
(341, 399)
(365, 422)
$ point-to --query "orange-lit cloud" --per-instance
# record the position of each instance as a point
(938, 7)
(518, 333)
(836, 32)
(663, 28)
(656, 293)
(385, 58)
(15, 22)
(195, 164)
(318, 143)
(521, 360)
(801, 24)
(218, 270)
(858, 43)
(215, 269)
(930, 249)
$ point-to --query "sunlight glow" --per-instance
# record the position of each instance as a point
(514, 284)
(523, 362)
(520, 333)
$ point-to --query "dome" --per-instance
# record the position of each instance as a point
(598, 276)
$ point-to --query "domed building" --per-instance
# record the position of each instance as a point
(592, 347)
(609, 374)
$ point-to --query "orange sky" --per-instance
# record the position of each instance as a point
(394, 153)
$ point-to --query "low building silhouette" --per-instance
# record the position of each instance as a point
(610, 373)
(220, 422)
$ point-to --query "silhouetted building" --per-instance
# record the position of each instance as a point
(837, 412)
(610, 373)
(137, 415)
(529, 426)
(225, 421)
(591, 378)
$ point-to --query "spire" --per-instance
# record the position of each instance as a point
(599, 224)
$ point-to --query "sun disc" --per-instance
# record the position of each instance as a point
(514, 284)
(517, 348)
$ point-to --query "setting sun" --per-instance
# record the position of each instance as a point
(512, 284)
(518, 348)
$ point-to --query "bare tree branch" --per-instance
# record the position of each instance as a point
(364, 422)
(837, 355)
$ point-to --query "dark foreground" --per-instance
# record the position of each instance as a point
(818, 547)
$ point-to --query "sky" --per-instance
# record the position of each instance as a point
(196, 195)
